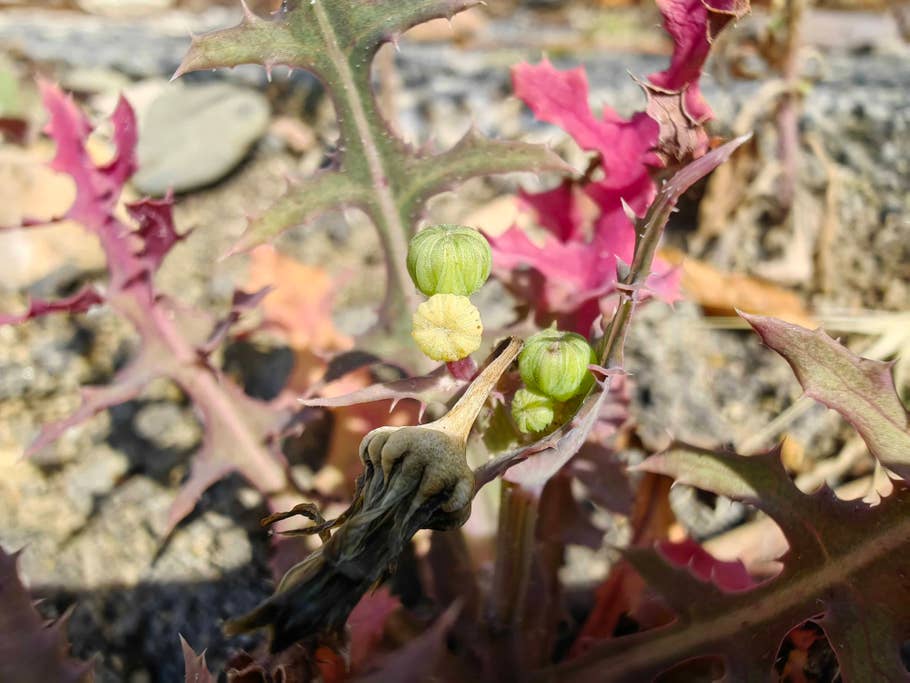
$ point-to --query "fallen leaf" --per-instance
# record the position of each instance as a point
(720, 293)
(299, 308)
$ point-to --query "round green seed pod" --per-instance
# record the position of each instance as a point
(447, 327)
(531, 411)
(449, 259)
(555, 364)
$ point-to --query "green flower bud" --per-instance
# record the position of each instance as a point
(447, 327)
(449, 259)
(555, 364)
(532, 412)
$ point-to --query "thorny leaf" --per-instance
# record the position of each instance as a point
(239, 431)
(578, 262)
(156, 229)
(367, 624)
(417, 661)
(693, 25)
(31, 650)
(434, 388)
(556, 449)
(681, 136)
(377, 172)
(194, 665)
(840, 569)
(860, 389)
(81, 301)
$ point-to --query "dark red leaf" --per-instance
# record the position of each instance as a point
(79, 302)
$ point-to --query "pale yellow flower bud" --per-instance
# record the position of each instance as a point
(447, 327)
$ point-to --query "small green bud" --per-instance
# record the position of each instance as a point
(447, 327)
(532, 412)
(449, 259)
(555, 364)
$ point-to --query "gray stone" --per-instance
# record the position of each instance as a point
(192, 136)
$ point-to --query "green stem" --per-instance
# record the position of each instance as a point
(355, 113)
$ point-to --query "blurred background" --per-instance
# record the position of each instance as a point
(810, 222)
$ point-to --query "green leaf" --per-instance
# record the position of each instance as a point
(860, 389)
(378, 172)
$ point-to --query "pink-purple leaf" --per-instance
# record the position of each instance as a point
(860, 389)
(576, 266)
(416, 661)
(533, 465)
(125, 386)
(81, 301)
(240, 433)
(156, 229)
(194, 665)
(730, 576)
(561, 98)
(693, 25)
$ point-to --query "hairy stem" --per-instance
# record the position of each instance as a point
(459, 420)
(355, 114)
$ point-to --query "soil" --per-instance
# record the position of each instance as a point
(89, 511)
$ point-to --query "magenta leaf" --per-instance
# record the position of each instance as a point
(728, 576)
(156, 228)
(577, 263)
(561, 98)
(693, 25)
(575, 268)
(533, 465)
(241, 434)
(860, 389)
(31, 650)
(674, 96)
(79, 302)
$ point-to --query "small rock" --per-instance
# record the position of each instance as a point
(124, 8)
(192, 136)
(166, 426)
(94, 80)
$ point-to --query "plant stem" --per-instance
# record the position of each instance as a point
(459, 420)
(515, 543)
(356, 113)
